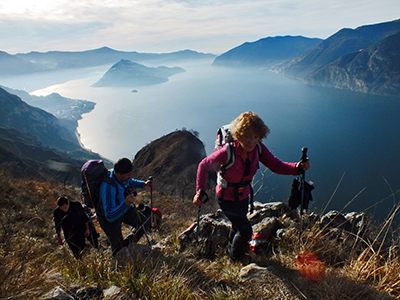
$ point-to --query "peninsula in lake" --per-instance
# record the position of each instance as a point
(126, 73)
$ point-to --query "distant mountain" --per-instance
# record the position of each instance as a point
(364, 59)
(266, 52)
(12, 65)
(30, 138)
(23, 63)
(126, 73)
(55, 104)
(343, 46)
(22, 156)
(44, 127)
(375, 69)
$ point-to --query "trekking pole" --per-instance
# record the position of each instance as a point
(152, 223)
(198, 221)
(142, 226)
(203, 199)
(302, 175)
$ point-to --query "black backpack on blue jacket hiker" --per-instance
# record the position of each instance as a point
(94, 172)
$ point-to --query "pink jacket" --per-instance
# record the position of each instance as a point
(235, 174)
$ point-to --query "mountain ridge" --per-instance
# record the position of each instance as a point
(266, 51)
(34, 61)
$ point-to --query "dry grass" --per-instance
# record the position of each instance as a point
(32, 262)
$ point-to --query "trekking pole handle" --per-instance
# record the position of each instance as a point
(304, 156)
(203, 196)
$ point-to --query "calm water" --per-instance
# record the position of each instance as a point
(349, 135)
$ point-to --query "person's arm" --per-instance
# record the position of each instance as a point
(87, 230)
(57, 225)
(113, 203)
(275, 164)
(213, 161)
(136, 183)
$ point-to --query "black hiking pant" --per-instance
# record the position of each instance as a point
(133, 218)
(76, 242)
(241, 231)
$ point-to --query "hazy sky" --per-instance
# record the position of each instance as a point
(172, 25)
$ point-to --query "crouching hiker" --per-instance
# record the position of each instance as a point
(117, 205)
(234, 189)
(72, 219)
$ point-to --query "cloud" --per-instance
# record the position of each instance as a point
(170, 25)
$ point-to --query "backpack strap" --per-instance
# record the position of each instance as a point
(112, 182)
(230, 157)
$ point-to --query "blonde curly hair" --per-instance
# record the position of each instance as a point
(248, 122)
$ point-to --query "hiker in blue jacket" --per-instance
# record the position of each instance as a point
(117, 205)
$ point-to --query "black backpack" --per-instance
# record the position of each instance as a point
(94, 172)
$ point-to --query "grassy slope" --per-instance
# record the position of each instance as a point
(32, 262)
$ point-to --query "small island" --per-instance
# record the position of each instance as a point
(126, 73)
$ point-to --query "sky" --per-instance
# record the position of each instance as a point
(159, 26)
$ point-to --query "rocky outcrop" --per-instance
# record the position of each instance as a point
(272, 222)
(172, 160)
(82, 293)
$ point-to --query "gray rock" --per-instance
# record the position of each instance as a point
(254, 272)
(57, 294)
(113, 292)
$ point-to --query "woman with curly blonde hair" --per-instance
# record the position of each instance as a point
(233, 192)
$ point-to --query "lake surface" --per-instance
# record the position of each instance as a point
(353, 138)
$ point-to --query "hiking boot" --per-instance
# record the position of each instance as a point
(132, 237)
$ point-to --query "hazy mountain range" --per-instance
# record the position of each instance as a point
(33, 62)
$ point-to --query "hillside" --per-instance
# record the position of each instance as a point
(375, 69)
(178, 262)
(41, 125)
(30, 139)
(55, 104)
(343, 42)
(168, 267)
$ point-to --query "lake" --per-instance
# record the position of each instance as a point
(352, 138)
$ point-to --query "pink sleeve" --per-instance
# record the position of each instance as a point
(275, 164)
(213, 161)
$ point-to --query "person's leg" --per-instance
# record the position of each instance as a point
(113, 233)
(136, 219)
(76, 242)
(241, 231)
